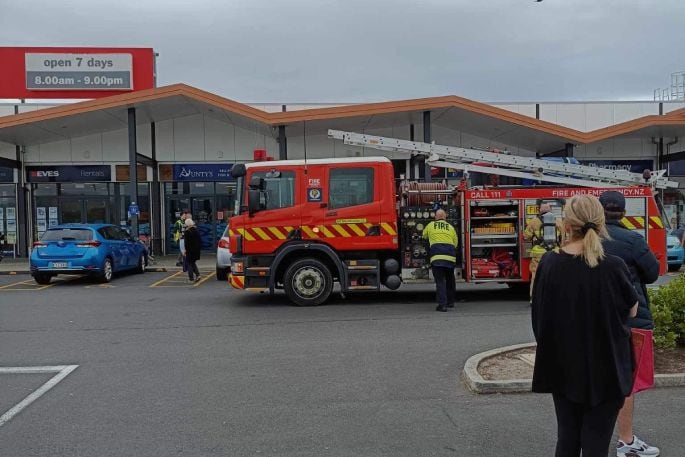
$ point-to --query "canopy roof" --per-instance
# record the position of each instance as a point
(180, 100)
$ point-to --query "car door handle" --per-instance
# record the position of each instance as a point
(331, 213)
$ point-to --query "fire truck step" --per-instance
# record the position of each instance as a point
(362, 274)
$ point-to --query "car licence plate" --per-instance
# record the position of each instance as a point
(59, 264)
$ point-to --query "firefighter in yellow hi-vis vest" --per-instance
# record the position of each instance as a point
(544, 232)
(443, 258)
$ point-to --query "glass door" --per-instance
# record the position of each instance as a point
(174, 207)
(96, 211)
(202, 211)
(71, 212)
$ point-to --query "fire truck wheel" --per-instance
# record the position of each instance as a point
(308, 282)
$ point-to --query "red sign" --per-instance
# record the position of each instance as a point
(45, 72)
(554, 192)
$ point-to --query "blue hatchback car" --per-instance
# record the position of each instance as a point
(98, 250)
(675, 253)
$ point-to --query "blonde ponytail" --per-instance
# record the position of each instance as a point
(593, 251)
(585, 215)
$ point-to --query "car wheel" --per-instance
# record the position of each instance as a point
(107, 271)
(141, 265)
(675, 267)
(221, 274)
(42, 278)
(308, 282)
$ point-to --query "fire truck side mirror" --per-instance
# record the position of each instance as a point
(253, 200)
(238, 170)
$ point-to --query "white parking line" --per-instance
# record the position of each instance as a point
(62, 372)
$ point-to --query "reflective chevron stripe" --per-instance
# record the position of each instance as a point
(348, 230)
(237, 282)
(655, 222)
(633, 223)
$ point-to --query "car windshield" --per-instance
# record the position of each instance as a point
(67, 234)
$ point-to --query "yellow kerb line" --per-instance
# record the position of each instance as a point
(204, 278)
(166, 279)
(26, 282)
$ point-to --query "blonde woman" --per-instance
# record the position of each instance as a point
(582, 299)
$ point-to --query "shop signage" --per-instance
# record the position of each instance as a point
(79, 71)
(65, 173)
(202, 172)
(69, 72)
(133, 209)
(635, 166)
(6, 174)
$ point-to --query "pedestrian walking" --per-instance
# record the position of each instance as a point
(443, 258)
(644, 269)
(582, 299)
(193, 246)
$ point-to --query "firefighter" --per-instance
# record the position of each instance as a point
(442, 238)
(178, 230)
(535, 233)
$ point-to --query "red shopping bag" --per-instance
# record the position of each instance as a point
(643, 351)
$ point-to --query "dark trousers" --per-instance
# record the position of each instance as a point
(581, 427)
(444, 285)
(192, 269)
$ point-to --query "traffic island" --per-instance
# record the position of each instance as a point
(510, 369)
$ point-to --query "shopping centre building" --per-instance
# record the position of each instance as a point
(73, 162)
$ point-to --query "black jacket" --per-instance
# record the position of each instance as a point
(193, 243)
(643, 267)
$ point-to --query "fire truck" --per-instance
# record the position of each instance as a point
(302, 226)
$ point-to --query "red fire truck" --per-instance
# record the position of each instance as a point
(301, 226)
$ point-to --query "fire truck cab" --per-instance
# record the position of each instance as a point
(301, 226)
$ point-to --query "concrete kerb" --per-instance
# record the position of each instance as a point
(477, 384)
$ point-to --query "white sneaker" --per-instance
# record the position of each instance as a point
(637, 448)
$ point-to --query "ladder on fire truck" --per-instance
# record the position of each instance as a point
(489, 162)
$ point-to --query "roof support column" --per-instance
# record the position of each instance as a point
(660, 154)
(427, 138)
(413, 166)
(569, 149)
(133, 167)
(22, 211)
(155, 197)
(282, 143)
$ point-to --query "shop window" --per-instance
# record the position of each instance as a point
(280, 191)
(78, 188)
(188, 188)
(200, 188)
(350, 187)
(45, 189)
(8, 190)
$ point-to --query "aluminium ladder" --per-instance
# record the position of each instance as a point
(507, 165)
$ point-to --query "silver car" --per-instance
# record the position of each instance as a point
(223, 257)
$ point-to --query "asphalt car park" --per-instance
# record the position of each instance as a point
(204, 370)
(179, 279)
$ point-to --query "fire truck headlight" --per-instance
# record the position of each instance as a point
(238, 267)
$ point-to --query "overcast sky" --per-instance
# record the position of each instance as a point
(374, 50)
